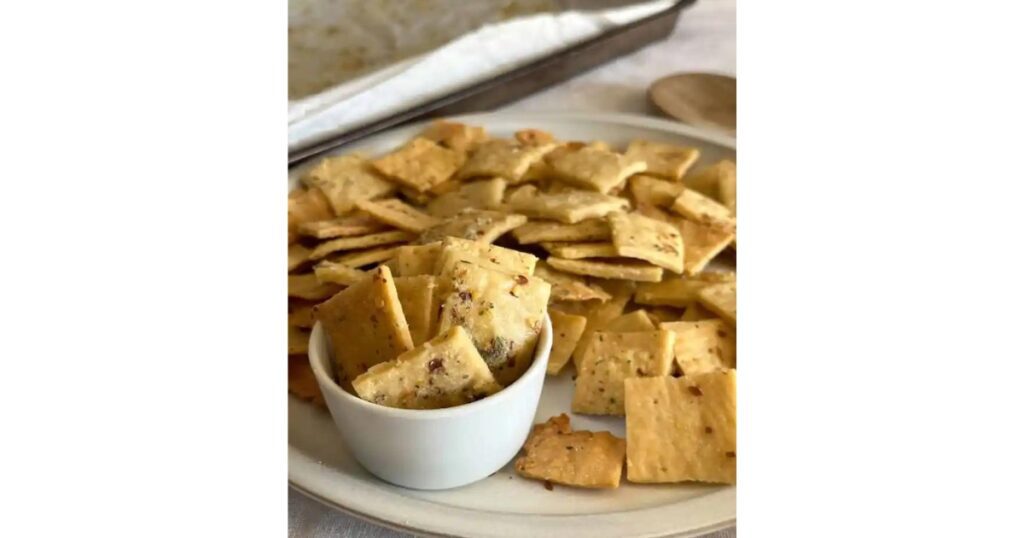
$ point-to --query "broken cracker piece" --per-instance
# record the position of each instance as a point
(574, 458)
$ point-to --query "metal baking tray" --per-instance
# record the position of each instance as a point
(517, 83)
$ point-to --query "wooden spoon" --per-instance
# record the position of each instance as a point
(700, 99)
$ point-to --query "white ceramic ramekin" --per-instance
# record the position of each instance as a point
(438, 448)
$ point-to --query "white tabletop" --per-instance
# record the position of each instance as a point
(704, 40)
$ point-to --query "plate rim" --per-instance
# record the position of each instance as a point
(632, 120)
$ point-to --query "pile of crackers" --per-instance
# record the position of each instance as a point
(618, 243)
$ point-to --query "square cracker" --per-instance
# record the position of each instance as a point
(678, 292)
(443, 372)
(577, 251)
(708, 179)
(347, 226)
(503, 314)
(307, 205)
(649, 190)
(568, 206)
(455, 250)
(398, 214)
(637, 236)
(703, 346)
(337, 273)
(599, 315)
(720, 299)
(574, 458)
(609, 359)
(503, 158)
(567, 287)
(618, 269)
(702, 242)
(635, 321)
(362, 258)
(412, 260)
(308, 286)
(699, 208)
(297, 255)
(476, 224)
(419, 165)
(365, 323)
(416, 293)
(456, 136)
(681, 429)
(359, 242)
(567, 330)
(663, 160)
(486, 194)
(346, 180)
(539, 231)
(592, 168)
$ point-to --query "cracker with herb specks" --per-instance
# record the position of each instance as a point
(584, 459)
(362, 258)
(308, 286)
(615, 270)
(346, 226)
(505, 260)
(567, 330)
(699, 208)
(663, 160)
(592, 168)
(456, 136)
(707, 179)
(398, 214)
(549, 231)
(337, 273)
(702, 243)
(502, 158)
(640, 237)
(681, 429)
(703, 346)
(412, 260)
(419, 165)
(416, 293)
(568, 207)
(503, 313)
(635, 321)
(365, 323)
(577, 251)
(359, 242)
(476, 224)
(650, 190)
(720, 299)
(485, 194)
(609, 359)
(347, 179)
(567, 287)
(443, 372)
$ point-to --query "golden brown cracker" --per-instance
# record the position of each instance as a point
(696, 312)
(298, 340)
(362, 258)
(412, 260)
(609, 359)
(398, 214)
(456, 136)
(416, 293)
(345, 180)
(640, 237)
(618, 269)
(702, 242)
(720, 299)
(307, 205)
(485, 194)
(300, 314)
(297, 256)
(592, 168)
(577, 251)
(635, 321)
(475, 224)
(337, 273)
(707, 180)
(649, 190)
(699, 208)
(568, 207)
(550, 231)
(567, 330)
(574, 458)
(307, 286)
(359, 242)
(502, 158)
(419, 165)
(567, 287)
(301, 381)
(678, 292)
(663, 160)
(455, 250)
(703, 346)
(599, 315)
(346, 226)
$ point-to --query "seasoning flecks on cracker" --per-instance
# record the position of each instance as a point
(702, 242)
(346, 226)
(455, 250)
(699, 208)
(419, 165)
(585, 459)
(502, 158)
(345, 180)
(484, 194)
(720, 299)
(677, 292)
(703, 346)
(568, 206)
(569, 287)
(593, 169)
(476, 224)
(609, 359)
(640, 237)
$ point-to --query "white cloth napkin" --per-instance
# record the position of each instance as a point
(489, 51)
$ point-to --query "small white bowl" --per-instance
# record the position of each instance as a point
(437, 448)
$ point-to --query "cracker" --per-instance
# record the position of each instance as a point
(720, 299)
(298, 340)
(619, 269)
(574, 458)
(347, 226)
(635, 321)
(599, 315)
(502, 158)
(567, 330)
(649, 190)
(419, 165)
(592, 168)
(662, 314)
(412, 260)
(681, 429)
(476, 224)
(456, 136)
(398, 214)
(727, 188)
(699, 208)
(307, 205)
(307, 286)
(337, 273)
(534, 137)
(503, 314)
(346, 180)
(663, 160)
(443, 372)
(362, 258)
(359, 242)
(486, 194)
(365, 323)
(637, 236)
(702, 243)
(416, 293)
(300, 314)
(609, 359)
(505, 260)
(414, 197)
(568, 207)
(576, 251)
(297, 255)
(301, 381)
(696, 312)
(703, 346)
(540, 231)
(707, 180)
(678, 292)
(567, 287)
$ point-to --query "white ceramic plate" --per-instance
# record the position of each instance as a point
(319, 465)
